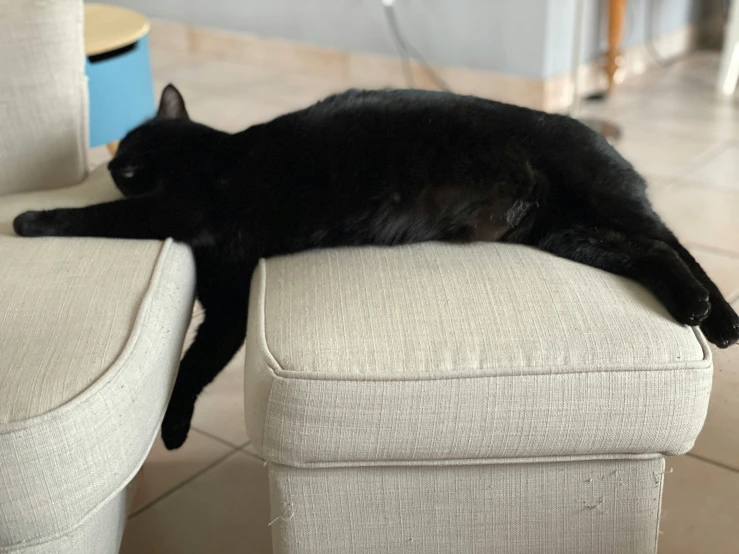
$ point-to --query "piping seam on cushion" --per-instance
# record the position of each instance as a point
(115, 368)
(705, 362)
(272, 362)
(145, 309)
(471, 461)
(264, 346)
(310, 376)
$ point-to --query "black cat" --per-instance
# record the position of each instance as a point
(379, 167)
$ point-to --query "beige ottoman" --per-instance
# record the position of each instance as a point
(465, 399)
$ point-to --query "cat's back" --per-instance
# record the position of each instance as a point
(371, 138)
(362, 124)
(390, 105)
(396, 101)
(409, 118)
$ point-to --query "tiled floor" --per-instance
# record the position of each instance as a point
(211, 495)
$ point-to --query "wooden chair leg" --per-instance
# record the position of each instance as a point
(112, 147)
(616, 16)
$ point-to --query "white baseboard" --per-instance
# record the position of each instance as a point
(636, 61)
(374, 71)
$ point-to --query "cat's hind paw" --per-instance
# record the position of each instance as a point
(721, 327)
(691, 306)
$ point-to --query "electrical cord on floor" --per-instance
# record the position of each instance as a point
(400, 45)
(657, 58)
(407, 52)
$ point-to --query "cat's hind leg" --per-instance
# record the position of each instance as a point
(721, 327)
(649, 262)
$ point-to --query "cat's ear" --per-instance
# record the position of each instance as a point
(171, 104)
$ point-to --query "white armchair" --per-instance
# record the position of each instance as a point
(90, 330)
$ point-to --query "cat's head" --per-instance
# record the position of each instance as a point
(162, 153)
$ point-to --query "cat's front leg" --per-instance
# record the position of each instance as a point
(218, 339)
(135, 218)
(223, 290)
(46, 223)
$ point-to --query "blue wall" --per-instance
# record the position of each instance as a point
(645, 19)
(530, 38)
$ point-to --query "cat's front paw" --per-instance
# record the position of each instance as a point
(722, 326)
(176, 423)
(39, 224)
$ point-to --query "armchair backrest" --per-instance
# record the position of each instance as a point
(43, 95)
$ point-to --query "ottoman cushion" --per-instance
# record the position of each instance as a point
(446, 353)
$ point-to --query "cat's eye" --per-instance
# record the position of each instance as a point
(128, 172)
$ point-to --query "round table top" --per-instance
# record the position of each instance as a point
(108, 28)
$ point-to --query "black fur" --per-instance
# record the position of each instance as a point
(379, 167)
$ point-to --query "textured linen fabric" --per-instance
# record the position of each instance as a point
(99, 534)
(440, 352)
(91, 332)
(43, 94)
(588, 507)
(68, 305)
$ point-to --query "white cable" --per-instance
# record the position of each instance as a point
(576, 57)
(408, 52)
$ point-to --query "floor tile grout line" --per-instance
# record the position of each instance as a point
(677, 182)
(679, 177)
(253, 456)
(182, 484)
(704, 158)
(219, 439)
(640, 125)
(710, 249)
(713, 463)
